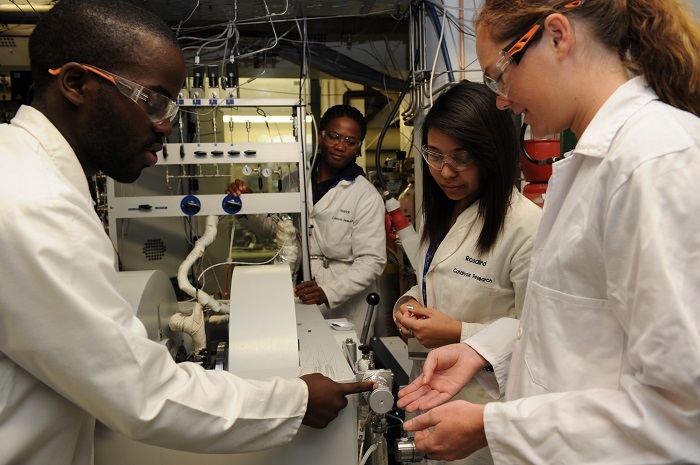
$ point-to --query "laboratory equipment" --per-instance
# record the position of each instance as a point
(409, 240)
(314, 348)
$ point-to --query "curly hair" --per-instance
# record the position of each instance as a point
(347, 111)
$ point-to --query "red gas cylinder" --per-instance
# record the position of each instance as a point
(539, 149)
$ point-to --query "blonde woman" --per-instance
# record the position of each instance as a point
(603, 365)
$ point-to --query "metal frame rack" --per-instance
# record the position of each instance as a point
(187, 155)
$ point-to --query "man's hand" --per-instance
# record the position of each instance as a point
(238, 187)
(310, 293)
(458, 430)
(446, 371)
(327, 398)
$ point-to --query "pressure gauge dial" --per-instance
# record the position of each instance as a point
(247, 170)
(267, 172)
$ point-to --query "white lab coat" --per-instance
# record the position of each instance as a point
(348, 227)
(71, 348)
(606, 364)
(478, 289)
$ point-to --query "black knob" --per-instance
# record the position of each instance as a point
(373, 298)
(191, 206)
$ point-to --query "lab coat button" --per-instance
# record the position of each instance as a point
(520, 333)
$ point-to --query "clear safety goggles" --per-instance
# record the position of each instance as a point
(157, 106)
(458, 161)
(334, 138)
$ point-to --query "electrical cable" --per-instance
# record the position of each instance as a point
(177, 33)
(443, 46)
(371, 449)
(279, 251)
(441, 42)
(386, 128)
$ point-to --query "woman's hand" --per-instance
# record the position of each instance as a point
(431, 327)
(400, 312)
(449, 432)
(445, 372)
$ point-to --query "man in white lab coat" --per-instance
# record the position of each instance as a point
(71, 348)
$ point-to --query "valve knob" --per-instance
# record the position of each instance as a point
(373, 298)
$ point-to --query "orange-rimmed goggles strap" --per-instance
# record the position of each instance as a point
(515, 48)
(57, 71)
(522, 42)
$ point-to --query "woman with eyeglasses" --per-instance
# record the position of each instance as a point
(477, 232)
(346, 226)
(604, 365)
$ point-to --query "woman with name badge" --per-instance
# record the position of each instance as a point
(477, 230)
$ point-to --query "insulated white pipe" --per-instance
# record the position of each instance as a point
(200, 246)
(286, 239)
(193, 325)
(219, 319)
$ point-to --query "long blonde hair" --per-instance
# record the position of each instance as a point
(658, 39)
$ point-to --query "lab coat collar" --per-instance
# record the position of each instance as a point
(59, 151)
(628, 99)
